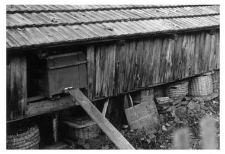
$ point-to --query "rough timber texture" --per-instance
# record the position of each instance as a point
(115, 68)
(16, 87)
(38, 25)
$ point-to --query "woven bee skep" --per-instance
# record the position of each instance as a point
(216, 81)
(27, 140)
(177, 90)
(159, 91)
(201, 86)
(82, 128)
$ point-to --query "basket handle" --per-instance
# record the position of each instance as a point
(131, 101)
(105, 107)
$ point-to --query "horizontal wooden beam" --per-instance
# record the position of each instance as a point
(46, 106)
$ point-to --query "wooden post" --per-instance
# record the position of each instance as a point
(55, 126)
(17, 87)
(114, 135)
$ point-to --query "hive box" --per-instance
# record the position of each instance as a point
(63, 71)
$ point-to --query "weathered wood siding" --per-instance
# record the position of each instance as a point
(16, 87)
(114, 68)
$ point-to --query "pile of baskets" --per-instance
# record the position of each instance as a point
(27, 140)
(201, 86)
(177, 90)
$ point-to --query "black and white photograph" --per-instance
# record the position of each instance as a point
(112, 76)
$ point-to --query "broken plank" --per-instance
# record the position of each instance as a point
(115, 136)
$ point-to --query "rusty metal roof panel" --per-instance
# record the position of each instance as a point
(32, 25)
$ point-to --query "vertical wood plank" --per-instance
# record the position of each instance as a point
(192, 54)
(207, 52)
(116, 78)
(147, 61)
(197, 45)
(139, 63)
(212, 52)
(217, 50)
(91, 71)
(126, 66)
(162, 68)
(157, 53)
(169, 62)
(177, 57)
(183, 57)
(98, 71)
(134, 63)
(201, 52)
(150, 57)
(104, 72)
(121, 68)
(82, 72)
(111, 68)
(130, 66)
(17, 102)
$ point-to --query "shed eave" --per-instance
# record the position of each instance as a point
(112, 38)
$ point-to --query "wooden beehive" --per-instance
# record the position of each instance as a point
(63, 71)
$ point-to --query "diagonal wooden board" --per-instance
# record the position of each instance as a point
(114, 135)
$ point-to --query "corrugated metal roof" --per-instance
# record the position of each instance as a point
(32, 25)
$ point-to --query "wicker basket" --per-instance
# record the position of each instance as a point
(27, 140)
(142, 96)
(82, 128)
(201, 86)
(162, 100)
(159, 91)
(177, 90)
(216, 81)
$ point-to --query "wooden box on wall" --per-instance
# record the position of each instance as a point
(63, 71)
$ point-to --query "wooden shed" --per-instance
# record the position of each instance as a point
(105, 50)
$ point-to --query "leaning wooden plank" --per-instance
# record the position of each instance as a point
(102, 122)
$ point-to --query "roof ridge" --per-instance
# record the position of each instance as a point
(108, 21)
(102, 9)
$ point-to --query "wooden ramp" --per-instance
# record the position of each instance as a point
(114, 135)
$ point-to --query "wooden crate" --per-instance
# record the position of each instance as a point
(63, 71)
(143, 116)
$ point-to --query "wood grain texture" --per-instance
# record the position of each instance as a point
(137, 63)
(17, 88)
(113, 134)
(46, 106)
(217, 50)
(91, 71)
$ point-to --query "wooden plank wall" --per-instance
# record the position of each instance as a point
(16, 87)
(114, 68)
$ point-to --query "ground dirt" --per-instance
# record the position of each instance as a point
(184, 116)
